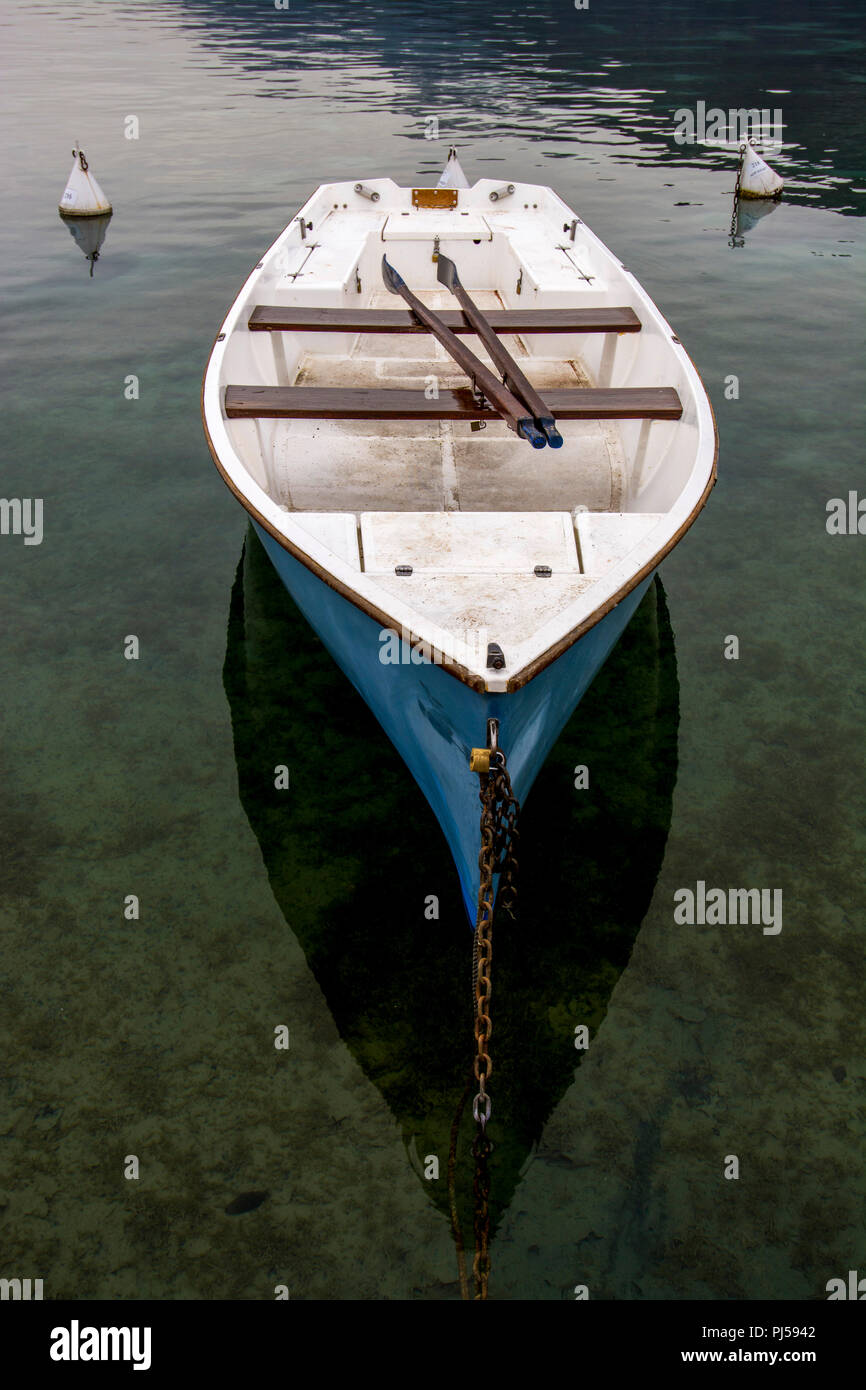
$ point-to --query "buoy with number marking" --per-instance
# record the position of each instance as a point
(82, 196)
(757, 179)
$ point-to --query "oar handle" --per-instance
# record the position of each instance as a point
(547, 425)
(530, 431)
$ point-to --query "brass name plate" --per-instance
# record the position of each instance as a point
(434, 197)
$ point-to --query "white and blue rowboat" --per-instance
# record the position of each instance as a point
(456, 573)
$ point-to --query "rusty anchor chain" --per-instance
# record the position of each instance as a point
(498, 856)
(733, 239)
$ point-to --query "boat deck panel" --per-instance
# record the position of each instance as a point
(477, 608)
(463, 542)
(492, 475)
(556, 268)
(342, 470)
(606, 538)
(421, 466)
(337, 530)
(424, 226)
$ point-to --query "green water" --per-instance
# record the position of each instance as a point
(154, 1037)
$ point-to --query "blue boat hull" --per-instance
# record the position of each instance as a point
(434, 720)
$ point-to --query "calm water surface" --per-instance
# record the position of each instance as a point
(154, 1036)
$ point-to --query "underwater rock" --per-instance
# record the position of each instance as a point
(246, 1201)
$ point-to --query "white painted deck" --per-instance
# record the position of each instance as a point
(464, 542)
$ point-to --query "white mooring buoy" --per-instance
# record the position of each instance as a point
(452, 175)
(756, 178)
(82, 196)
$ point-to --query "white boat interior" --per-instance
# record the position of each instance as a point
(458, 534)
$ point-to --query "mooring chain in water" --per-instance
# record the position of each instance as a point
(740, 163)
(732, 236)
(499, 811)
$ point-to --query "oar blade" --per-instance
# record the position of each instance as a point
(393, 280)
(446, 272)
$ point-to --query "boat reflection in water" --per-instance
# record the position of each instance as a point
(354, 854)
(88, 233)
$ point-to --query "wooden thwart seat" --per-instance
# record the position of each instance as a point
(274, 318)
(373, 403)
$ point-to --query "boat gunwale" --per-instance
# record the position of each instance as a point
(456, 669)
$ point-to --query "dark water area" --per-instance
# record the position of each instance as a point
(154, 1036)
(399, 1001)
(556, 75)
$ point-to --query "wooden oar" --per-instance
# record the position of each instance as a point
(512, 410)
(514, 378)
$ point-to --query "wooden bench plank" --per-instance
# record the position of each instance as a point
(267, 318)
(373, 403)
